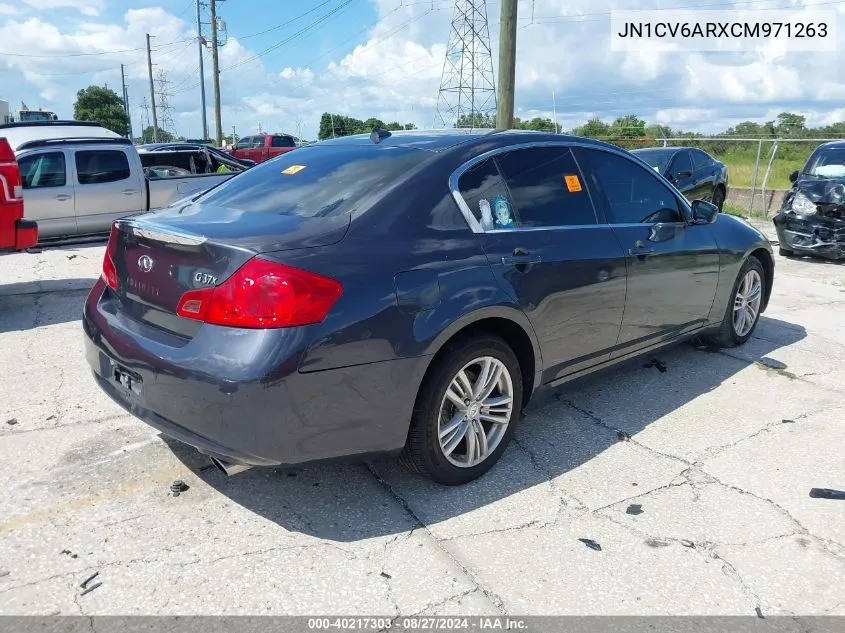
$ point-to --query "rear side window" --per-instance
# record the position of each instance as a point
(546, 187)
(484, 191)
(43, 170)
(258, 141)
(680, 164)
(99, 166)
(316, 181)
(282, 141)
(629, 193)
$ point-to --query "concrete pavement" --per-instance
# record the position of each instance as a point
(725, 446)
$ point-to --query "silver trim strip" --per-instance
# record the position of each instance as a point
(475, 225)
(166, 235)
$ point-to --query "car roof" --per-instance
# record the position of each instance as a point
(662, 150)
(833, 145)
(19, 134)
(445, 139)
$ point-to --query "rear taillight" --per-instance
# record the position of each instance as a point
(109, 269)
(11, 191)
(263, 294)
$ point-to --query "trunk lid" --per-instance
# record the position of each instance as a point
(159, 258)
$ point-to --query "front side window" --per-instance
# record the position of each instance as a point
(547, 187)
(484, 192)
(681, 165)
(700, 159)
(43, 170)
(629, 193)
(100, 166)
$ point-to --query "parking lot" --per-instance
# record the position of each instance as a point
(705, 510)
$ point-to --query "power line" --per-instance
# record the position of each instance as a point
(343, 5)
(283, 24)
(125, 50)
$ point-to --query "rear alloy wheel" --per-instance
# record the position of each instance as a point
(743, 310)
(466, 412)
(718, 198)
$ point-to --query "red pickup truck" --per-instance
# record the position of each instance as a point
(16, 234)
(261, 147)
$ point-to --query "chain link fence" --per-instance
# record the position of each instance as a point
(758, 168)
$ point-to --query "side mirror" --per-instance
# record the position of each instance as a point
(793, 176)
(704, 212)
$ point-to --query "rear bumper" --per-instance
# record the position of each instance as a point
(23, 235)
(238, 394)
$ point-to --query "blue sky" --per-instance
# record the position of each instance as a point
(385, 57)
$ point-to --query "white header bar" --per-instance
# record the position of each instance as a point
(781, 30)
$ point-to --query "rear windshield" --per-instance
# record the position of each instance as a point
(657, 158)
(316, 180)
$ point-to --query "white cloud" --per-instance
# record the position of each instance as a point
(394, 70)
(89, 8)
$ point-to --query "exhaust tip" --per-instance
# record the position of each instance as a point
(228, 468)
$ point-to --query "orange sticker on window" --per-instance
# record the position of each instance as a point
(293, 169)
(572, 183)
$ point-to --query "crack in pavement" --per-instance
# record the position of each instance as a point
(440, 603)
(599, 422)
(494, 599)
(562, 495)
(714, 451)
(829, 545)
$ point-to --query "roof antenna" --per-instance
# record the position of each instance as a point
(378, 135)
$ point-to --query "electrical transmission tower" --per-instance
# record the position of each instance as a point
(467, 96)
(165, 110)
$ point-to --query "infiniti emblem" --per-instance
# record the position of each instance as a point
(145, 263)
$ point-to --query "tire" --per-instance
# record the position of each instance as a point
(718, 198)
(728, 335)
(785, 252)
(423, 452)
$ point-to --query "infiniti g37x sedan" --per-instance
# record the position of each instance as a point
(407, 293)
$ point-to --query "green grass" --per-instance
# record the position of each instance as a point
(731, 209)
(741, 171)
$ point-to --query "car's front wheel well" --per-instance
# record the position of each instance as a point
(511, 333)
(768, 264)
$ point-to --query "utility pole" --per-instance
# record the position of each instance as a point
(218, 127)
(507, 64)
(202, 73)
(152, 90)
(125, 103)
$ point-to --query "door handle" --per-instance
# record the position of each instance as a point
(641, 252)
(62, 197)
(129, 192)
(520, 257)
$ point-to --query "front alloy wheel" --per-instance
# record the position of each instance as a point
(475, 412)
(743, 310)
(749, 295)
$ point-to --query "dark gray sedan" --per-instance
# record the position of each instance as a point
(694, 172)
(407, 293)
